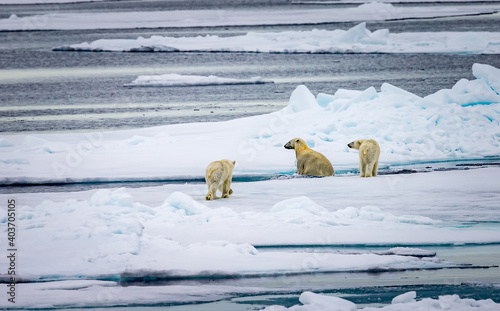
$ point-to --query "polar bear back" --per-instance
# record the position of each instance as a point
(310, 162)
(219, 171)
(369, 150)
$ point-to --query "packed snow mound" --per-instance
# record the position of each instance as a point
(358, 39)
(191, 80)
(317, 302)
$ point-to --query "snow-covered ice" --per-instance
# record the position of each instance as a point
(405, 302)
(115, 234)
(373, 11)
(191, 80)
(453, 124)
(355, 40)
(85, 242)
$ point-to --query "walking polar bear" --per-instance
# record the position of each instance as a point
(369, 152)
(309, 162)
(218, 176)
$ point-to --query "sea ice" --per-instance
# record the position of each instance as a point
(358, 39)
(405, 298)
(191, 80)
(235, 17)
(451, 124)
(405, 302)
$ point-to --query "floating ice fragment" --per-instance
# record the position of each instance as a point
(367, 95)
(301, 99)
(325, 303)
(324, 99)
(405, 298)
(191, 80)
(489, 74)
(391, 89)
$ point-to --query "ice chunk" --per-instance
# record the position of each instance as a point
(378, 10)
(391, 89)
(301, 99)
(380, 36)
(488, 74)
(368, 94)
(405, 298)
(355, 34)
(409, 251)
(324, 99)
(467, 93)
(191, 80)
(325, 303)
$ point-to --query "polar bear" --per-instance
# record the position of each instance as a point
(369, 152)
(309, 162)
(218, 176)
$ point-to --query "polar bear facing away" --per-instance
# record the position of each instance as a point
(369, 152)
(309, 162)
(218, 176)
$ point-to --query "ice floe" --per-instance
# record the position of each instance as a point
(451, 124)
(191, 80)
(317, 302)
(355, 40)
(236, 17)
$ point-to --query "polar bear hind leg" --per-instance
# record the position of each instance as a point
(368, 169)
(362, 166)
(375, 169)
(212, 192)
(226, 190)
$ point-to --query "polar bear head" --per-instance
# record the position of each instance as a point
(355, 144)
(293, 143)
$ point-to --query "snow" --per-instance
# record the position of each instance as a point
(111, 234)
(405, 298)
(84, 243)
(373, 11)
(316, 302)
(358, 39)
(190, 80)
(452, 124)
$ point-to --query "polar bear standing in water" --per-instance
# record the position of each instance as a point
(309, 162)
(218, 176)
(369, 152)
